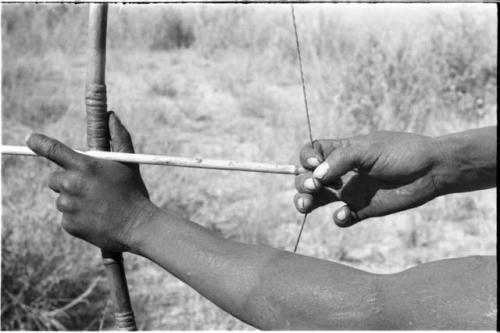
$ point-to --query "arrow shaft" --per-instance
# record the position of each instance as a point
(185, 162)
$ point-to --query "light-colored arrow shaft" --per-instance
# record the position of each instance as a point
(186, 162)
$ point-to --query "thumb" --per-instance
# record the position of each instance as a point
(338, 163)
(120, 137)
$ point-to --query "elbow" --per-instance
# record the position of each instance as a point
(376, 316)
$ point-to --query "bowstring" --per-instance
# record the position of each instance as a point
(304, 93)
(300, 233)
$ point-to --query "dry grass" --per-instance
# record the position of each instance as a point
(222, 82)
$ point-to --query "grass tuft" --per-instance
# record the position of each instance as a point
(223, 82)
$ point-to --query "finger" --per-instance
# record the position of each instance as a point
(55, 151)
(311, 156)
(305, 183)
(306, 202)
(338, 163)
(303, 202)
(345, 217)
(120, 137)
(330, 145)
(54, 181)
(66, 204)
(66, 182)
(71, 183)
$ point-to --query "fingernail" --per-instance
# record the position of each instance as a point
(313, 161)
(321, 170)
(342, 214)
(300, 203)
(310, 184)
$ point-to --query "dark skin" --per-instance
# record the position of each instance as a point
(106, 203)
(387, 172)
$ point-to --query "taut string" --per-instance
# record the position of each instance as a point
(304, 93)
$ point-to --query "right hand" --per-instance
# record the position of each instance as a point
(375, 175)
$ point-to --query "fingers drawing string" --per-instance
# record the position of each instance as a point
(304, 93)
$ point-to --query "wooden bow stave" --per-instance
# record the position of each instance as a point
(98, 139)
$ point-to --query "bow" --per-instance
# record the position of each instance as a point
(98, 139)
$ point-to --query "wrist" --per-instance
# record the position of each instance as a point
(443, 153)
(146, 212)
(465, 161)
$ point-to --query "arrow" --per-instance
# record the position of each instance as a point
(185, 162)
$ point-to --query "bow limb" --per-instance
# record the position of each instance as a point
(98, 139)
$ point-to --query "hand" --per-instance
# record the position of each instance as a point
(375, 175)
(101, 201)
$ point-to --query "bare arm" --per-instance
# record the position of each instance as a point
(273, 289)
(387, 172)
(468, 161)
(263, 286)
(452, 294)
(107, 204)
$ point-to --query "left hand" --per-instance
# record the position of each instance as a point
(101, 201)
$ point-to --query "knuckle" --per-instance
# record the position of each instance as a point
(77, 184)
(65, 204)
(66, 185)
(72, 184)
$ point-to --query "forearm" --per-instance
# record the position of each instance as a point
(265, 287)
(273, 289)
(466, 161)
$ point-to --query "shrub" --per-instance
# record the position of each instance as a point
(171, 31)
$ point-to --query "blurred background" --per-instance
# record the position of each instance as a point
(222, 81)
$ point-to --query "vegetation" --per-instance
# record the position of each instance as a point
(222, 81)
